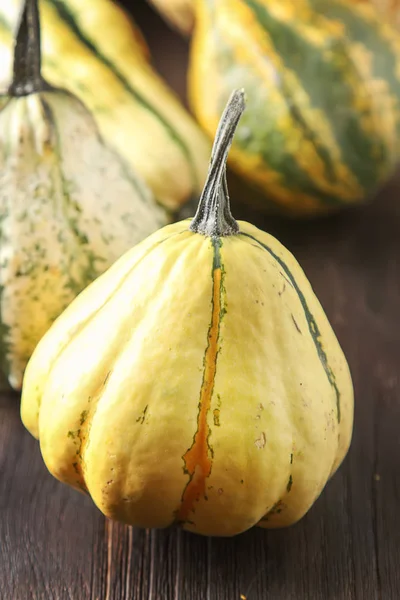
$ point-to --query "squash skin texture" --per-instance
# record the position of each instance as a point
(322, 77)
(95, 51)
(388, 9)
(197, 381)
(70, 207)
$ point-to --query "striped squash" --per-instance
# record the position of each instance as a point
(323, 84)
(235, 430)
(69, 205)
(93, 49)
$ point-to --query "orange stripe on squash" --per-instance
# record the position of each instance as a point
(198, 459)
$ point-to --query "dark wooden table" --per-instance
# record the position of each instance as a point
(54, 544)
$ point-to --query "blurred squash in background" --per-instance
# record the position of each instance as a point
(93, 49)
(322, 130)
(388, 9)
(181, 13)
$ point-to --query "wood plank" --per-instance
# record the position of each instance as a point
(47, 531)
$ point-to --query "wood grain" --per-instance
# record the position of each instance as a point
(54, 544)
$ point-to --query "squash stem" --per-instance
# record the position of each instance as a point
(27, 77)
(213, 217)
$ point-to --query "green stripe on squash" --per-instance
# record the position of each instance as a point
(67, 16)
(316, 73)
(312, 324)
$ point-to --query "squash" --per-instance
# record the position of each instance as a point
(181, 13)
(323, 129)
(388, 9)
(94, 50)
(178, 13)
(171, 389)
(69, 205)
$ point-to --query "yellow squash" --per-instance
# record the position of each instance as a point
(198, 380)
(69, 205)
(91, 48)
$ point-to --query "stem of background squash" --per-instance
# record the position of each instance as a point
(213, 217)
(27, 77)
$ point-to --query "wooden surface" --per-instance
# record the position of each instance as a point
(54, 544)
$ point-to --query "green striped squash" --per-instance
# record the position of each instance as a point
(323, 89)
(70, 206)
(91, 48)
